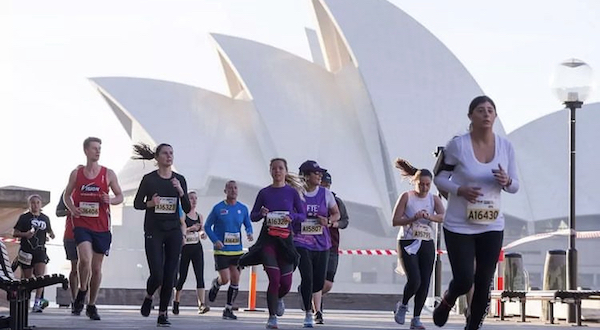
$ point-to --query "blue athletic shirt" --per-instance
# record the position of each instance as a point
(224, 223)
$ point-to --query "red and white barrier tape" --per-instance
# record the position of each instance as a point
(376, 252)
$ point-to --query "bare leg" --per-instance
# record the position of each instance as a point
(84, 264)
(73, 279)
(39, 269)
(96, 277)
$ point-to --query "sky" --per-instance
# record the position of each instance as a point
(50, 48)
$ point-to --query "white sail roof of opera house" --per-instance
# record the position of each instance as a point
(388, 88)
(542, 147)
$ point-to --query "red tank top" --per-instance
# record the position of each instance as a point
(87, 195)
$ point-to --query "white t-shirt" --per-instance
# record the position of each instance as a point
(421, 228)
(461, 216)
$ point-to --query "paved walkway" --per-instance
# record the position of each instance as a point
(117, 317)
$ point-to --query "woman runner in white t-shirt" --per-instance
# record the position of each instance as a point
(415, 211)
(477, 167)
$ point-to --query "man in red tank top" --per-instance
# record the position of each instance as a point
(86, 197)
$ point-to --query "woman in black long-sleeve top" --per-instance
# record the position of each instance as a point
(160, 194)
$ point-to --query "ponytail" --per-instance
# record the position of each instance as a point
(144, 151)
(297, 183)
(409, 171)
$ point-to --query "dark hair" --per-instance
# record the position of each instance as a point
(281, 160)
(479, 100)
(409, 171)
(88, 141)
(144, 151)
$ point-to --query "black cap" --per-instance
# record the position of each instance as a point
(310, 166)
(326, 178)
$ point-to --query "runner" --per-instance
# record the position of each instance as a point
(414, 212)
(312, 238)
(223, 227)
(192, 251)
(86, 197)
(33, 227)
(70, 248)
(332, 264)
(280, 205)
(474, 175)
(160, 194)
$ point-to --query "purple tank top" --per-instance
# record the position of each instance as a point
(310, 234)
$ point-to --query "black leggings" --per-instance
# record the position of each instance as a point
(313, 266)
(418, 269)
(195, 254)
(462, 249)
(162, 253)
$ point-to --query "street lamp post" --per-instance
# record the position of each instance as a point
(572, 84)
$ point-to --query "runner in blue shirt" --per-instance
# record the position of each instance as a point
(223, 227)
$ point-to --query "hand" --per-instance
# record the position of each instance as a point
(29, 234)
(287, 219)
(76, 212)
(501, 176)
(177, 185)
(219, 245)
(105, 198)
(155, 201)
(264, 211)
(202, 235)
(51, 235)
(323, 220)
(250, 237)
(469, 193)
(196, 227)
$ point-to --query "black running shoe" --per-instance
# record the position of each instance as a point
(203, 309)
(163, 321)
(175, 307)
(214, 289)
(319, 318)
(441, 312)
(78, 303)
(228, 314)
(92, 312)
(146, 307)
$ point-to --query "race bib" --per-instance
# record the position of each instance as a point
(311, 227)
(485, 210)
(89, 209)
(192, 237)
(232, 239)
(166, 205)
(421, 231)
(25, 258)
(276, 219)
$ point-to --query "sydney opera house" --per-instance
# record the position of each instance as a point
(379, 86)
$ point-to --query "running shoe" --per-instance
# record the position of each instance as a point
(146, 307)
(214, 289)
(441, 312)
(400, 313)
(272, 322)
(92, 312)
(308, 320)
(228, 314)
(175, 307)
(37, 307)
(415, 324)
(78, 303)
(280, 307)
(203, 309)
(44, 303)
(163, 321)
(319, 317)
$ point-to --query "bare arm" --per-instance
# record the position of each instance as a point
(113, 182)
(67, 195)
(438, 207)
(398, 217)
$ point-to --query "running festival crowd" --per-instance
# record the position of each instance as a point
(301, 219)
